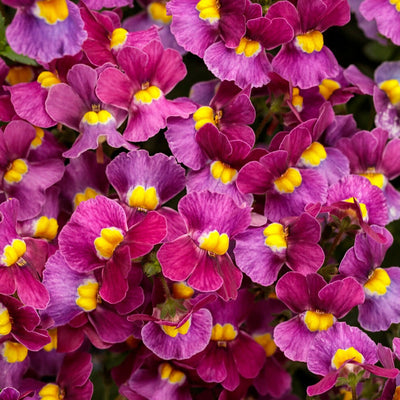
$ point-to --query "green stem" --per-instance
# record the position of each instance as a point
(335, 243)
(353, 393)
(165, 286)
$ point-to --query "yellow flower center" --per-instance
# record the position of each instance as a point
(118, 38)
(310, 41)
(392, 89)
(288, 181)
(205, 115)
(19, 74)
(223, 172)
(89, 193)
(376, 178)
(53, 344)
(107, 242)
(143, 199)
(46, 228)
(94, 118)
(5, 321)
(344, 355)
(267, 343)
(51, 391)
(158, 12)
(275, 236)
(37, 141)
(327, 87)
(182, 291)
(396, 3)
(297, 99)
(173, 330)
(209, 10)
(51, 11)
(12, 253)
(396, 395)
(88, 295)
(14, 352)
(215, 243)
(249, 48)
(363, 207)
(47, 79)
(318, 321)
(313, 154)
(223, 333)
(17, 169)
(377, 283)
(147, 94)
(174, 376)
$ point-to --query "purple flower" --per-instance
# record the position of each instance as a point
(339, 351)
(200, 255)
(36, 22)
(318, 306)
(261, 252)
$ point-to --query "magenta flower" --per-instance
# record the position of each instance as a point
(261, 252)
(318, 306)
(200, 255)
(150, 74)
(306, 61)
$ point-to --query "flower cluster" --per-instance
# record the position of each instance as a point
(211, 243)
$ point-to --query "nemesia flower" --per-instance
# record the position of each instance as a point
(72, 380)
(150, 74)
(106, 37)
(182, 336)
(35, 22)
(26, 181)
(232, 354)
(273, 379)
(261, 252)
(84, 178)
(288, 189)
(198, 24)
(96, 122)
(339, 351)
(21, 323)
(381, 285)
(75, 298)
(386, 99)
(306, 61)
(99, 4)
(145, 182)
(110, 240)
(386, 15)
(22, 260)
(157, 381)
(371, 208)
(247, 63)
(318, 306)
(200, 254)
(372, 156)
(155, 13)
(14, 362)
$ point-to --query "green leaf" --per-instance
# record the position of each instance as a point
(19, 58)
(3, 41)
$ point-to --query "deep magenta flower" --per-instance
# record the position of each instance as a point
(149, 75)
(110, 239)
(200, 255)
(306, 61)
